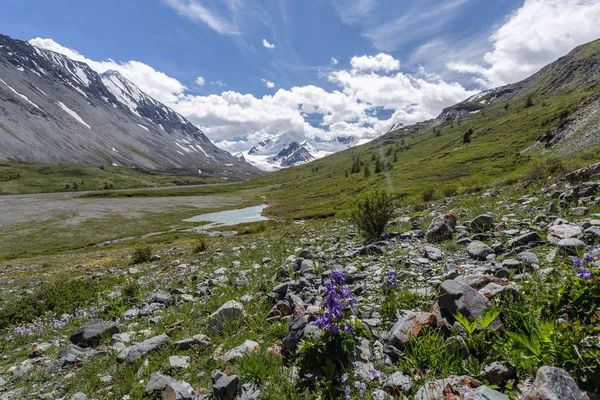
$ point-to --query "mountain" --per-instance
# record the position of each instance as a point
(55, 110)
(539, 127)
(288, 150)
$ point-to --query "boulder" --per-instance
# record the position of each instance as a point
(432, 253)
(224, 387)
(482, 223)
(294, 335)
(456, 296)
(564, 231)
(570, 246)
(438, 231)
(93, 332)
(479, 250)
(410, 324)
(179, 362)
(179, 390)
(498, 373)
(158, 381)
(524, 239)
(397, 384)
(200, 342)
(245, 349)
(138, 350)
(553, 384)
(228, 314)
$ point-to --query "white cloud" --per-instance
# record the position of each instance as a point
(534, 35)
(267, 44)
(365, 89)
(196, 12)
(200, 81)
(334, 61)
(380, 62)
(268, 83)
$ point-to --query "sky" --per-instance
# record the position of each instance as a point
(246, 70)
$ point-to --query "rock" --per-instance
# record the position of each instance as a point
(485, 393)
(524, 239)
(432, 253)
(294, 335)
(570, 246)
(93, 332)
(564, 231)
(131, 313)
(511, 264)
(200, 342)
(397, 384)
(438, 231)
(160, 297)
(553, 384)
(245, 349)
(442, 389)
(179, 362)
(529, 258)
(228, 314)
(179, 390)
(479, 250)
(498, 373)
(76, 351)
(482, 223)
(456, 296)
(410, 324)
(79, 396)
(158, 381)
(224, 387)
(136, 351)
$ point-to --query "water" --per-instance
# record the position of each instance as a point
(229, 218)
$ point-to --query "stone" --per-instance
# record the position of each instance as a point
(442, 389)
(524, 239)
(438, 231)
(553, 383)
(485, 393)
(79, 396)
(456, 296)
(158, 381)
(228, 314)
(478, 250)
(432, 253)
(93, 332)
(160, 297)
(410, 324)
(131, 313)
(76, 351)
(224, 387)
(564, 231)
(482, 223)
(132, 353)
(498, 373)
(179, 390)
(200, 342)
(397, 384)
(245, 349)
(294, 335)
(570, 246)
(528, 258)
(179, 362)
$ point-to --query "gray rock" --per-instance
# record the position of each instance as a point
(161, 297)
(479, 250)
(76, 351)
(158, 381)
(553, 384)
(131, 313)
(529, 258)
(179, 390)
(228, 314)
(524, 239)
(570, 246)
(434, 389)
(438, 231)
(563, 231)
(136, 351)
(79, 396)
(482, 223)
(398, 383)
(93, 332)
(294, 335)
(511, 264)
(245, 349)
(433, 253)
(498, 373)
(200, 342)
(456, 296)
(224, 387)
(485, 393)
(179, 362)
(410, 324)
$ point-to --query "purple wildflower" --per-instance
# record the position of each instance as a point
(588, 258)
(348, 328)
(362, 388)
(391, 276)
(347, 393)
(344, 377)
(374, 374)
(585, 274)
(378, 394)
(337, 301)
(578, 262)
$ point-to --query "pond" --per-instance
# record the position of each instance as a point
(229, 218)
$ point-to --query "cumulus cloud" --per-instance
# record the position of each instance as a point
(268, 83)
(200, 81)
(380, 62)
(534, 35)
(267, 44)
(371, 85)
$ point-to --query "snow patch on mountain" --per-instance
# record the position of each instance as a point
(73, 114)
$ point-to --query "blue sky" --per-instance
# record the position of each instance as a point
(315, 68)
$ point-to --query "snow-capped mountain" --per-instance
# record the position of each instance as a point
(287, 150)
(59, 111)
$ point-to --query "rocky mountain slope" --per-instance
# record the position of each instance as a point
(55, 110)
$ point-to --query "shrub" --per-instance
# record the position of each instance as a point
(428, 194)
(467, 136)
(200, 245)
(372, 214)
(449, 191)
(142, 254)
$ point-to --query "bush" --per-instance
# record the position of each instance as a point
(372, 214)
(428, 194)
(449, 191)
(200, 245)
(142, 254)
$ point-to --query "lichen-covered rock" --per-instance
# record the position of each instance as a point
(228, 314)
(553, 383)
